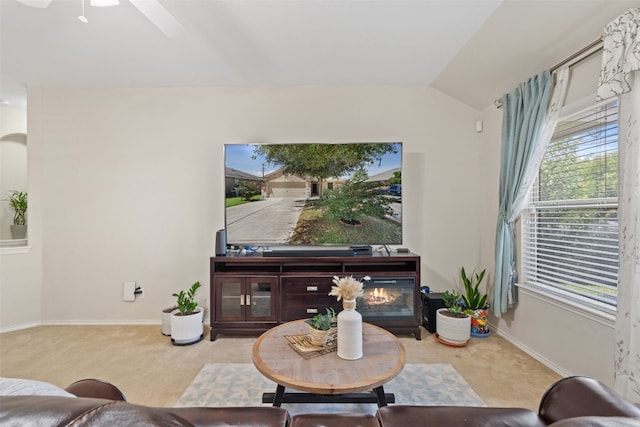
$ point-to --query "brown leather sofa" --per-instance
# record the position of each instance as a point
(570, 402)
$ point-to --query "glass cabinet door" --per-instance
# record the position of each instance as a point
(231, 299)
(260, 303)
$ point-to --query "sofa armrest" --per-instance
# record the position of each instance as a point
(583, 397)
(96, 389)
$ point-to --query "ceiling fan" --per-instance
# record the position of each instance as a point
(151, 9)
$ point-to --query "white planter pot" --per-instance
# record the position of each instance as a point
(165, 317)
(453, 330)
(187, 329)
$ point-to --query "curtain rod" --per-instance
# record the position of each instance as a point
(596, 45)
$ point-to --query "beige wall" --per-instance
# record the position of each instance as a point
(131, 182)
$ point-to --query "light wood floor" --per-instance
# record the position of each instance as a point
(149, 370)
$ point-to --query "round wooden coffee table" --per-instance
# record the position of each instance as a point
(328, 378)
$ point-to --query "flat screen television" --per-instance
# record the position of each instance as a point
(313, 194)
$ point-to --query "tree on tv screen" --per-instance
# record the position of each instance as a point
(355, 198)
(322, 161)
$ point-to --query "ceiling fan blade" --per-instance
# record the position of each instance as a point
(160, 17)
(35, 3)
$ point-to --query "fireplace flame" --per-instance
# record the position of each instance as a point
(379, 296)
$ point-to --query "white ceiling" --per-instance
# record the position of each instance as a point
(473, 50)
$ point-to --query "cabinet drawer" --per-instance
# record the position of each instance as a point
(311, 286)
(302, 308)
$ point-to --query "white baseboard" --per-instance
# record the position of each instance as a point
(85, 323)
(101, 323)
(19, 327)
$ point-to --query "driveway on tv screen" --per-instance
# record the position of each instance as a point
(276, 217)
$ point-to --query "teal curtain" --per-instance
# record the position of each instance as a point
(524, 110)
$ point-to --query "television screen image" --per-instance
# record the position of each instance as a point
(313, 194)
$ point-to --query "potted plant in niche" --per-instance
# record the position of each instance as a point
(186, 320)
(18, 203)
(475, 302)
(453, 324)
(323, 327)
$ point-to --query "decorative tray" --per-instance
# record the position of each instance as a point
(302, 345)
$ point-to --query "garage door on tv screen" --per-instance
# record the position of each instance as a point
(313, 194)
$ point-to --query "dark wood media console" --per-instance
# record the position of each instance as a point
(251, 294)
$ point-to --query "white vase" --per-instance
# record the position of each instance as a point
(349, 331)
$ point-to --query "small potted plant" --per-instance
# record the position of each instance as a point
(323, 327)
(187, 319)
(453, 324)
(475, 302)
(18, 203)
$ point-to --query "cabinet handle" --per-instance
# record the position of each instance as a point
(312, 289)
(241, 299)
(312, 310)
(248, 299)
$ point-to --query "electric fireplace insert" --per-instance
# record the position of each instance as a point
(390, 301)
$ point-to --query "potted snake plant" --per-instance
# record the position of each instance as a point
(187, 319)
(475, 302)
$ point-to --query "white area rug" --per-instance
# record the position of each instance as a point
(240, 384)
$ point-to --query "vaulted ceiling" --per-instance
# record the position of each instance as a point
(472, 50)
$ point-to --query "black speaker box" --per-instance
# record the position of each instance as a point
(431, 302)
(221, 243)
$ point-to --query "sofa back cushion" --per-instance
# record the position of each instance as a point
(468, 416)
(48, 411)
(54, 411)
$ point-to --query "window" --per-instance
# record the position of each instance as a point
(570, 229)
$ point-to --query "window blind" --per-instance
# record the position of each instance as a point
(570, 229)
